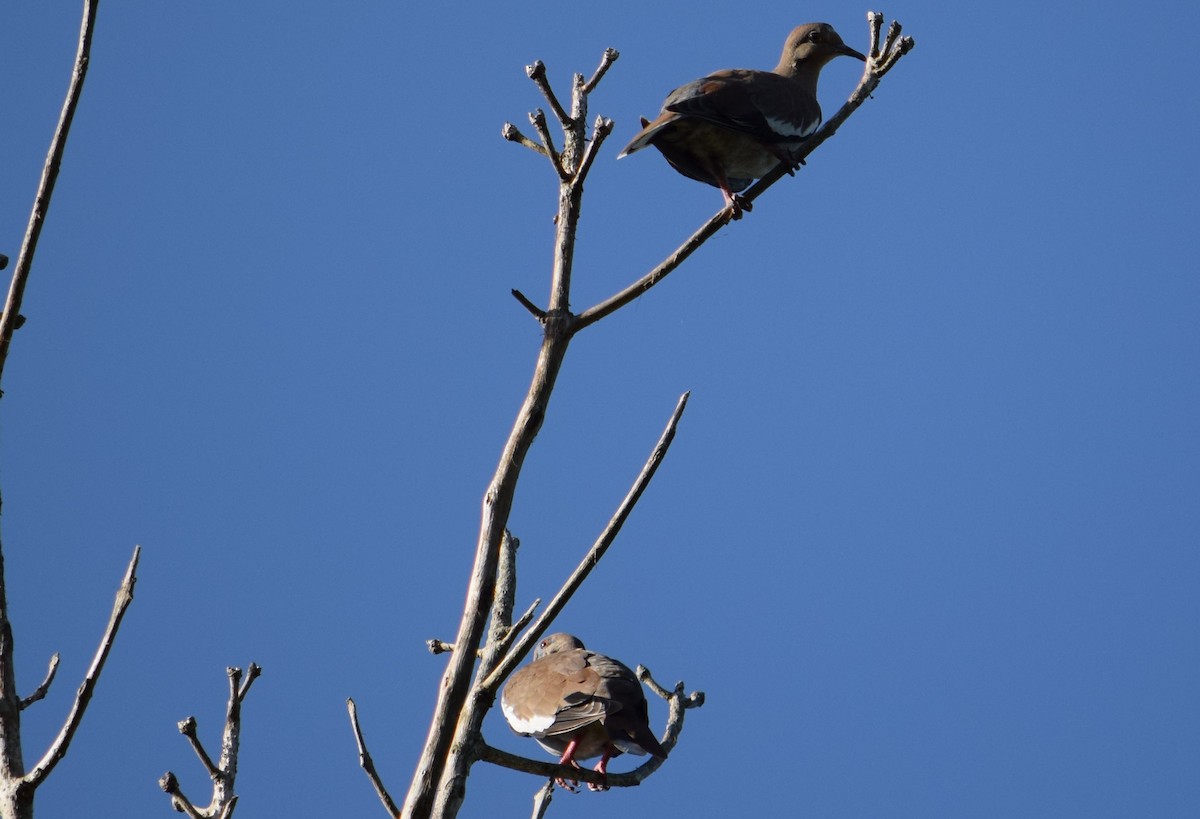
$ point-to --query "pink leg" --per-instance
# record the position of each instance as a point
(602, 767)
(734, 202)
(568, 758)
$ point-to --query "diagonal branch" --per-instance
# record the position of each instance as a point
(537, 73)
(878, 64)
(368, 764)
(525, 643)
(606, 60)
(187, 727)
(40, 691)
(512, 134)
(538, 120)
(542, 799)
(41, 202)
(58, 749)
(600, 131)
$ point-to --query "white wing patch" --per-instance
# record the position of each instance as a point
(784, 128)
(531, 726)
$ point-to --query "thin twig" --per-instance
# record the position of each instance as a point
(368, 764)
(58, 749)
(41, 202)
(600, 131)
(179, 801)
(437, 646)
(521, 622)
(538, 119)
(875, 26)
(606, 60)
(537, 312)
(541, 799)
(187, 727)
(614, 303)
(525, 643)
(510, 132)
(252, 674)
(223, 773)
(537, 73)
(41, 690)
(677, 702)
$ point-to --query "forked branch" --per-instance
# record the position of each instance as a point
(223, 772)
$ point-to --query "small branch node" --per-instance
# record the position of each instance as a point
(179, 801)
(437, 646)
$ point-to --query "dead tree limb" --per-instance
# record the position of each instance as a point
(41, 202)
(572, 165)
(367, 763)
(438, 785)
(223, 772)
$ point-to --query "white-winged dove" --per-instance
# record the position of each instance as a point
(733, 126)
(579, 704)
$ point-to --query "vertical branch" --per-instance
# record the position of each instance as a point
(439, 783)
(223, 773)
(41, 202)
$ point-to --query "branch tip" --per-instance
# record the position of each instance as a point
(437, 646)
(537, 312)
(365, 761)
(606, 60)
(42, 689)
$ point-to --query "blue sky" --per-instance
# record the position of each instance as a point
(927, 537)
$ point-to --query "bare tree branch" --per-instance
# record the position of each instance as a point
(40, 691)
(454, 740)
(537, 312)
(440, 776)
(602, 128)
(368, 764)
(542, 799)
(41, 202)
(179, 801)
(188, 728)
(537, 73)
(512, 134)
(591, 559)
(223, 773)
(437, 646)
(609, 57)
(58, 749)
(538, 119)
